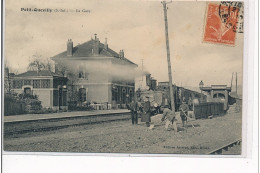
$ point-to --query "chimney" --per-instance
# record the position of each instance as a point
(121, 53)
(69, 47)
(148, 80)
(105, 44)
(96, 45)
(153, 84)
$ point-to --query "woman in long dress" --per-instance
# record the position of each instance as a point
(146, 112)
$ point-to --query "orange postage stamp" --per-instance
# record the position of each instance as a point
(221, 23)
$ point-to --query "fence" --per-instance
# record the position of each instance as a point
(203, 110)
(13, 108)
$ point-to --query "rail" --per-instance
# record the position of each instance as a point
(56, 124)
(225, 147)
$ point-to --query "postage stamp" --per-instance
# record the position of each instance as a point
(222, 23)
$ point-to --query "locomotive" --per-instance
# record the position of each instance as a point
(159, 97)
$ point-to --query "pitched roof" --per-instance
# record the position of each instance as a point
(85, 50)
(35, 73)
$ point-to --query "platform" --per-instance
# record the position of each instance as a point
(60, 115)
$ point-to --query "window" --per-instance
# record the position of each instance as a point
(123, 95)
(18, 83)
(83, 75)
(27, 90)
(219, 95)
(27, 82)
(82, 94)
(36, 83)
(45, 83)
(115, 94)
(131, 95)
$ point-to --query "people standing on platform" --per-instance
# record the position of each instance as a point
(184, 108)
(169, 117)
(134, 109)
(146, 112)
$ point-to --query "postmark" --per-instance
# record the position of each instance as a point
(223, 22)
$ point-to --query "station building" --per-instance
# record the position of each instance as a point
(97, 73)
(51, 88)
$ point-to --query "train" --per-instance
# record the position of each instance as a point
(159, 97)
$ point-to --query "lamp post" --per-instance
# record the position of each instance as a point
(201, 84)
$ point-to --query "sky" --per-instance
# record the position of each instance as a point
(137, 27)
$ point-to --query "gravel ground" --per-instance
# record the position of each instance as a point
(123, 137)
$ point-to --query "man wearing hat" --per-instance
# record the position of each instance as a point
(134, 109)
(146, 114)
(169, 116)
(184, 108)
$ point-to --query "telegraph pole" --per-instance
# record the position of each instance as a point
(231, 81)
(142, 68)
(168, 55)
(236, 84)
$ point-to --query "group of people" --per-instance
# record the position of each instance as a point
(144, 109)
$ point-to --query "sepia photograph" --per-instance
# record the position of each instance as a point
(125, 77)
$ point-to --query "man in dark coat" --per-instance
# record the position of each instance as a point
(134, 109)
(184, 108)
(146, 113)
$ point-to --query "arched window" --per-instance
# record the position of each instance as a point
(130, 95)
(123, 95)
(115, 94)
(27, 90)
(82, 94)
(219, 95)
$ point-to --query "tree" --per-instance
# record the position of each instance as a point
(7, 80)
(37, 63)
(48, 64)
(9, 73)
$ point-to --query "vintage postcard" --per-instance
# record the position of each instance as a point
(138, 77)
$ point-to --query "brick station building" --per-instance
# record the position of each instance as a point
(48, 86)
(101, 75)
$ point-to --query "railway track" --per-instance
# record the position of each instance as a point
(225, 149)
(14, 128)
